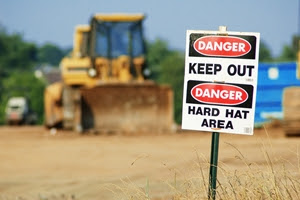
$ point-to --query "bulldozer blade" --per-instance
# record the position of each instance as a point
(132, 107)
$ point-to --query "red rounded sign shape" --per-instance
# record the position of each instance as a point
(221, 94)
(227, 46)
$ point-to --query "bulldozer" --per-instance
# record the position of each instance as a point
(291, 106)
(104, 84)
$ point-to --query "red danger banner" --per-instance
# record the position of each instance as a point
(220, 94)
(232, 46)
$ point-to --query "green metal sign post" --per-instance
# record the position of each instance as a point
(213, 166)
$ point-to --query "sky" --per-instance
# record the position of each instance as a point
(42, 21)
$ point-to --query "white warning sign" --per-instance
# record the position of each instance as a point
(220, 81)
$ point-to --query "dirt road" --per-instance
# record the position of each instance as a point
(37, 164)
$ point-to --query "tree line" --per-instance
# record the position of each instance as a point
(19, 59)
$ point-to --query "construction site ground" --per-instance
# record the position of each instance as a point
(36, 163)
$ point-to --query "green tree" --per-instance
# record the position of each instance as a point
(289, 52)
(172, 73)
(156, 52)
(23, 84)
(264, 53)
(167, 67)
(17, 61)
(51, 54)
(15, 53)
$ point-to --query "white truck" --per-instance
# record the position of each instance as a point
(18, 112)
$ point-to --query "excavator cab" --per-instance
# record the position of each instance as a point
(117, 47)
(111, 49)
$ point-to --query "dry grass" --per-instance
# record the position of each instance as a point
(267, 180)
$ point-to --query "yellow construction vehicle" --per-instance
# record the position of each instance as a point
(103, 85)
(291, 106)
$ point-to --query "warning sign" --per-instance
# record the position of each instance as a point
(220, 81)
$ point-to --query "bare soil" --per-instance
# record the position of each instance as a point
(36, 163)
